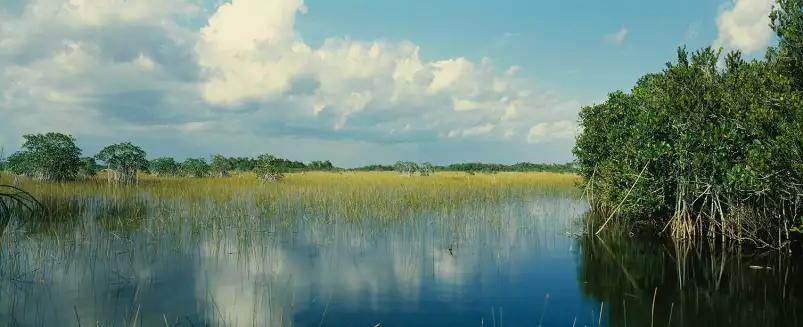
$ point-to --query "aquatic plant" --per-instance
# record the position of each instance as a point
(13, 201)
(349, 196)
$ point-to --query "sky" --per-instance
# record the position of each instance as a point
(352, 81)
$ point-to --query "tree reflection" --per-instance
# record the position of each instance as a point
(692, 284)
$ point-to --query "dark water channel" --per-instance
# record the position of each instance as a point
(508, 266)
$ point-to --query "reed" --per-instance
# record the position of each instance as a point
(350, 197)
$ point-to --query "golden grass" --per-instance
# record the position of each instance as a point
(324, 181)
(354, 195)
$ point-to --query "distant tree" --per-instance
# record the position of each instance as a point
(125, 159)
(163, 166)
(88, 167)
(269, 168)
(20, 163)
(242, 164)
(406, 168)
(50, 156)
(374, 168)
(221, 165)
(426, 169)
(195, 167)
(320, 165)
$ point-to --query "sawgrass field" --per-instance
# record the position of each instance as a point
(333, 196)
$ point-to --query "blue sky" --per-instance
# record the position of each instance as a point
(561, 43)
(352, 81)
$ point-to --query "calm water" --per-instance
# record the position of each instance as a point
(511, 265)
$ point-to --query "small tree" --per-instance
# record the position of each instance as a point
(88, 167)
(242, 164)
(164, 166)
(20, 163)
(221, 165)
(195, 167)
(320, 165)
(269, 168)
(426, 169)
(51, 156)
(406, 168)
(125, 159)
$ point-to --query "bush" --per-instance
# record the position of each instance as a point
(704, 149)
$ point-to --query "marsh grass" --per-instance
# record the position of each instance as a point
(108, 230)
(351, 197)
(110, 237)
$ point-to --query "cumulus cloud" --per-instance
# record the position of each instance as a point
(542, 132)
(617, 38)
(147, 70)
(744, 25)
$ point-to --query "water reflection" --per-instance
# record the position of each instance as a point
(692, 284)
(123, 265)
(397, 276)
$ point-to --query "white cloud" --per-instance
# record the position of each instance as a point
(114, 70)
(560, 130)
(617, 38)
(744, 25)
(476, 130)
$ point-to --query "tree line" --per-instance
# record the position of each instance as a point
(409, 167)
(702, 149)
(56, 157)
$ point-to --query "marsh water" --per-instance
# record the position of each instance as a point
(516, 263)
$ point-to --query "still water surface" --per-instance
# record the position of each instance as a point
(512, 265)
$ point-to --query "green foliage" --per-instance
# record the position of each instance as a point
(195, 167)
(125, 159)
(270, 168)
(798, 227)
(88, 167)
(426, 169)
(487, 167)
(374, 168)
(163, 166)
(719, 149)
(221, 165)
(320, 165)
(51, 156)
(242, 164)
(518, 167)
(407, 168)
(20, 163)
(787, 22)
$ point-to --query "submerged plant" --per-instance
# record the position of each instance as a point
(13, 198)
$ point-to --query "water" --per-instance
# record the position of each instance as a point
(511, 265)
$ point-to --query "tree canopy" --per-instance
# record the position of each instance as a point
(706, 148)
(195, 167)
(125, 159)
(50, 156)
(164, 166)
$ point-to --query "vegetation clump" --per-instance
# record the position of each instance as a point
(51, 157)
(124, 161)
(703, 150)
